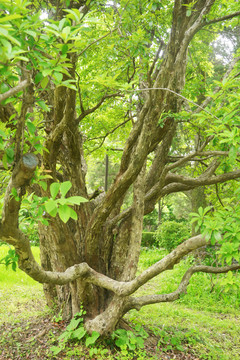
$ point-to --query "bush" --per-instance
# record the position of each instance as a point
(171, 233)
(149, 239)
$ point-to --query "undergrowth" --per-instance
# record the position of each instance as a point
(204, 323)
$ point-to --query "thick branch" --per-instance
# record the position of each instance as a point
(202, 179)
(83, 271)
(137, 303)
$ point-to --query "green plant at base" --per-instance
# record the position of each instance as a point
(75, 332)
(127, 340)
(169, 341)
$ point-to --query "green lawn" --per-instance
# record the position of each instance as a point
(206, 319)
(20, 296)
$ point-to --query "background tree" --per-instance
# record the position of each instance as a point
(78, 74)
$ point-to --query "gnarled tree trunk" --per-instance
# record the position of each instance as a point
(93, 260)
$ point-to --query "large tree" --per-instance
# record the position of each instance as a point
(77, 75)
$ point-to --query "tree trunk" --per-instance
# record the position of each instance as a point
(110, 249)
(93, 259)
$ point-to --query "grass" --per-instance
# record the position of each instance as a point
(19, 294)
(205, 322)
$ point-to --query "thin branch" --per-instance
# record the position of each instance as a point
(21, 86)
(223, 18)
(191, 157)
(218, 88)
(95, 41)
(110, 132)
(79, 94)
(103, 137)
(155, 58)
(94, 108)
(218, 196)
(179, 95)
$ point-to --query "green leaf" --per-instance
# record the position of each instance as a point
(121, 342)
(76, 200)
(217, 235)
(31, 127)
(10, 155)
(73, 324)
(4, 161)
(79, 333)
(38, 147)
(73, 214)
(92, 339)
(61, 24)
(69, 84)
(54, 189)
(2, 133)
(51, 207)
(6, 34)
(64, 49)
(64, 213)
(31, 33)
(43, 185)
(44, 82)
(43, 105)
(63, 201)
(9, 17)
(14, 266)
(233, 153)
(75, 12)
(65, 187)
(58, 76)
(38, 77)
(55, 350)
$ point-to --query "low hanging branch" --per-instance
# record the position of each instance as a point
(138, 302)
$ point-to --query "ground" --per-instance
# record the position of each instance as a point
(204, 324)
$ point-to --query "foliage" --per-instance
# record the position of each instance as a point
(171, 233)
(128, 341)
(75, 332)
(10, 258)
(148, 239)
(198, 320)
(108, 78)
(60, 205)
(221, 227)
(150, 221)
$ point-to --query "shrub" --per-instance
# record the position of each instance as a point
(149, 239)
(171, 233)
